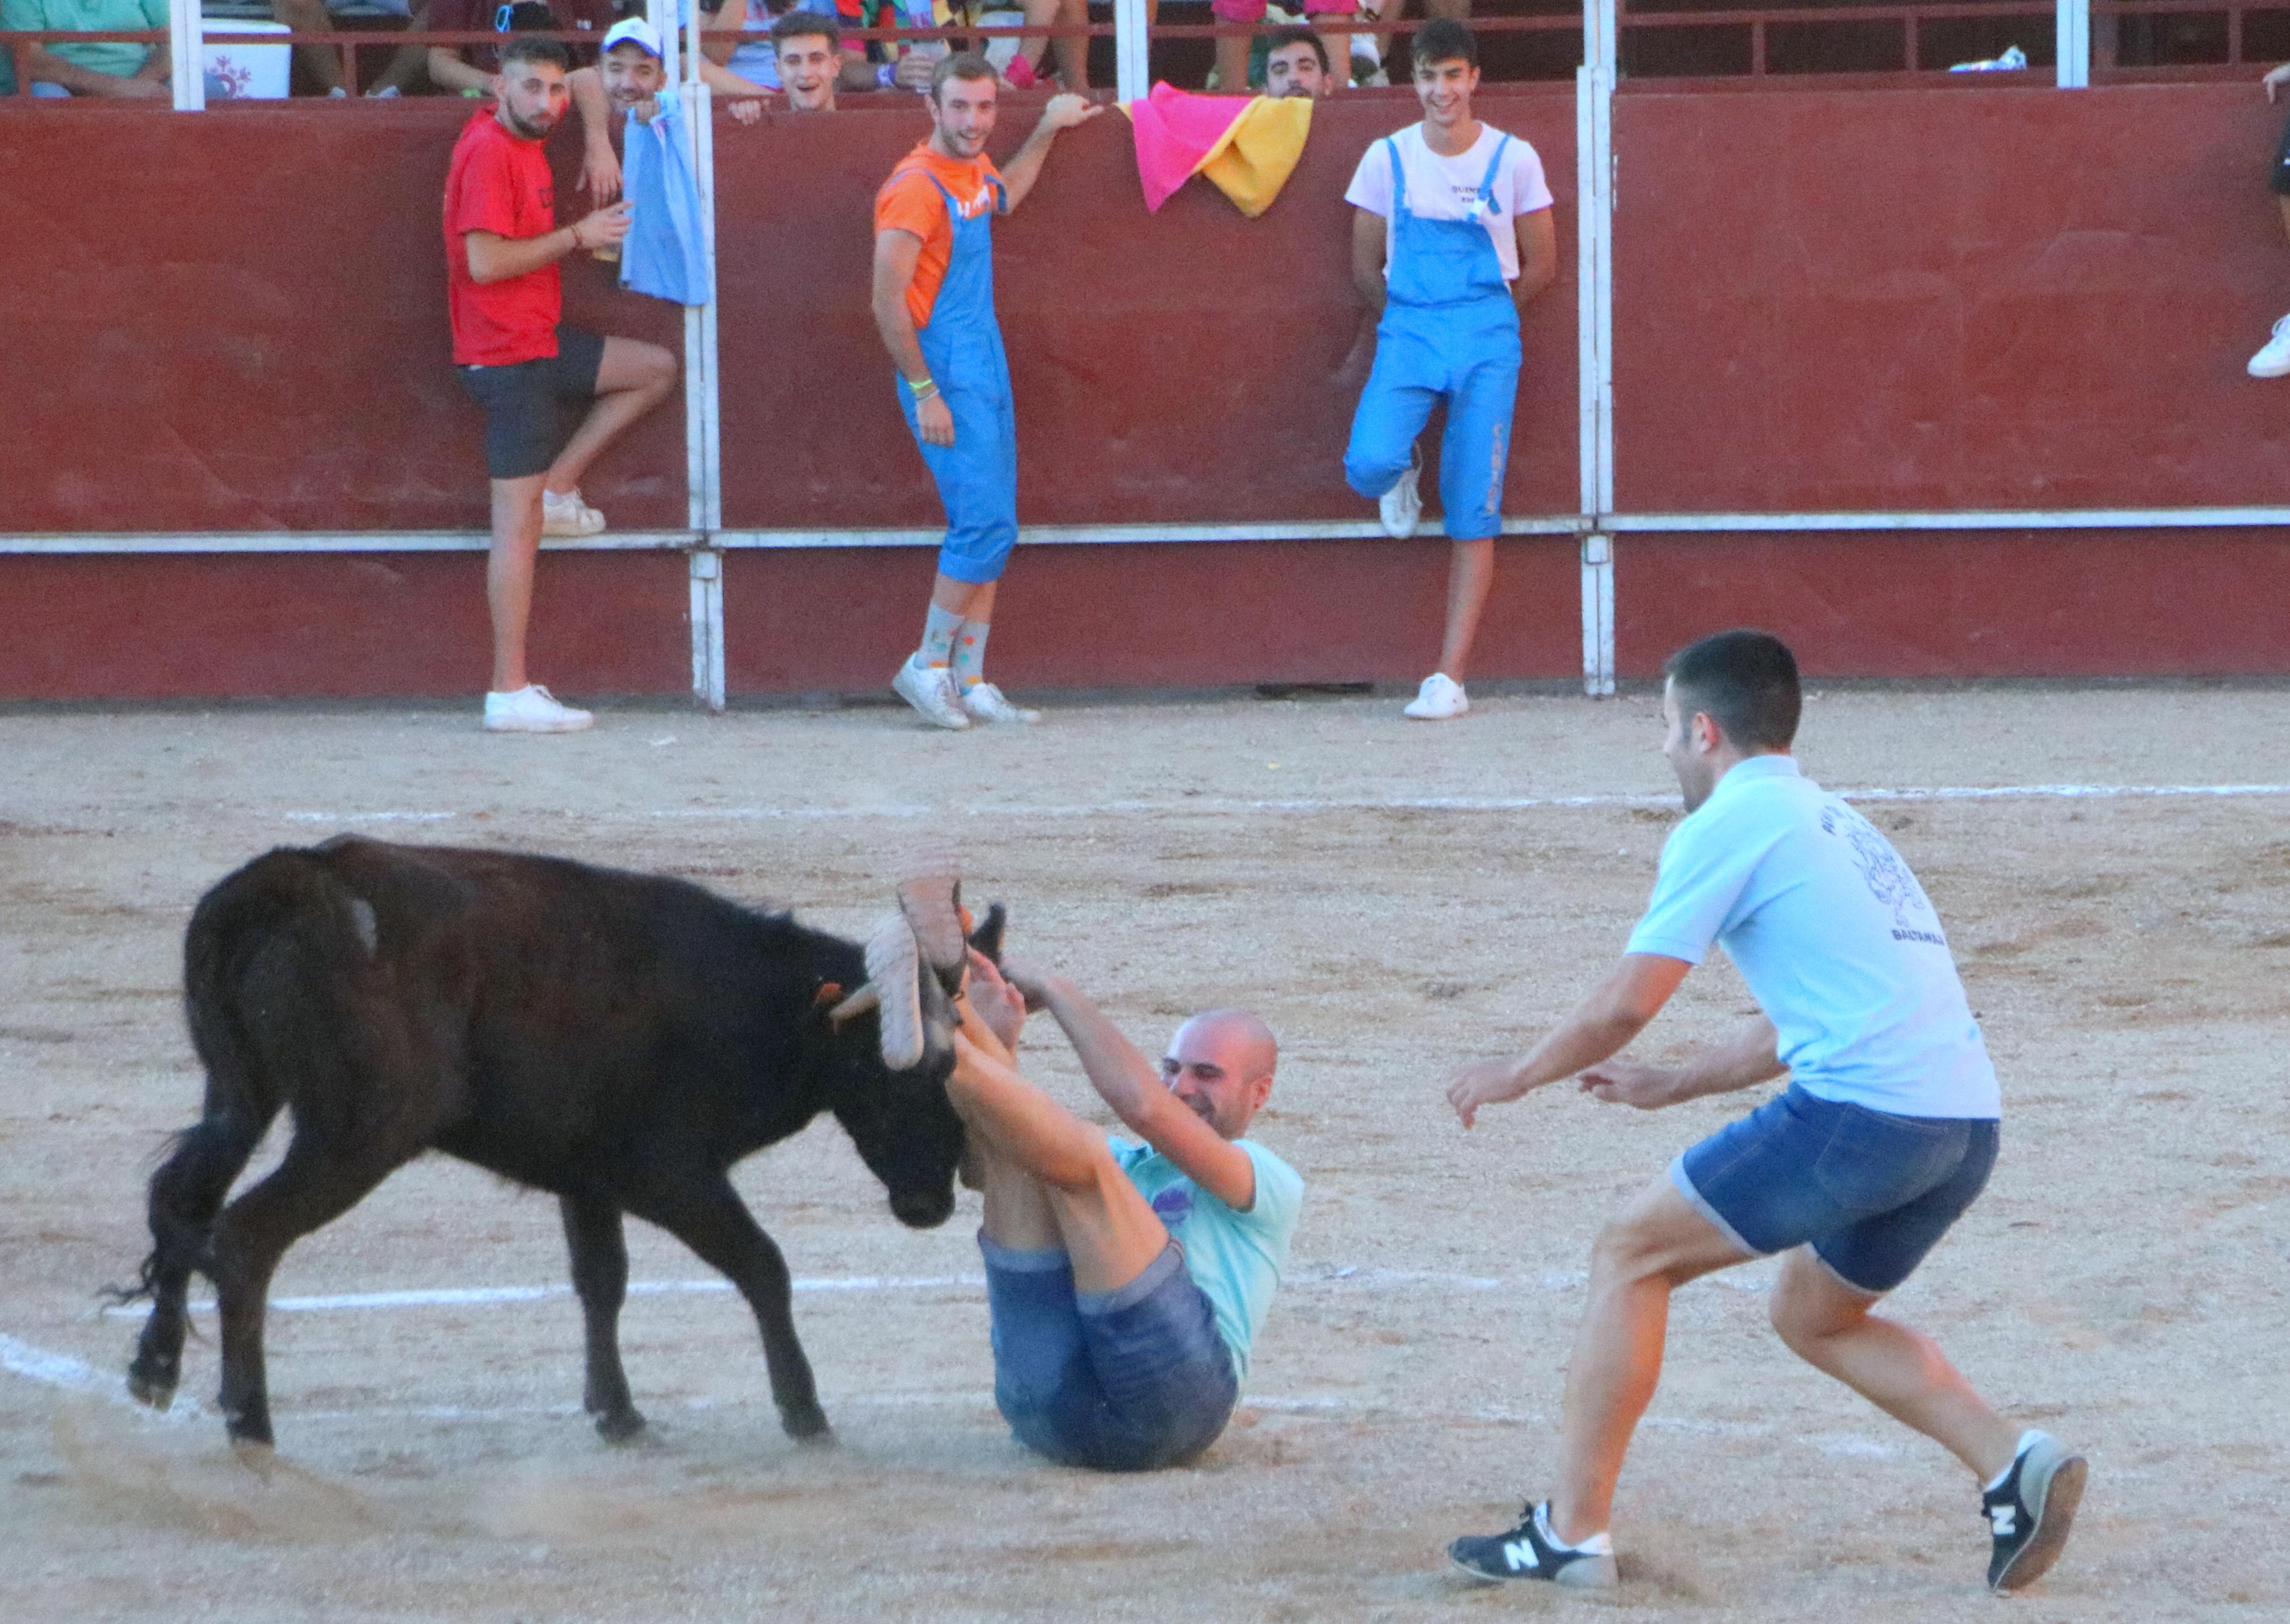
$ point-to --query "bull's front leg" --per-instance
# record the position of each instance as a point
(600, 1274)
(708, 1217)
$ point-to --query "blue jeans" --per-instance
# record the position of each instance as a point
(1872, 1192)
(1123, 1382)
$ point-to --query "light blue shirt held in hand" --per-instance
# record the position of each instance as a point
(1235, 1257)
(1837, 940)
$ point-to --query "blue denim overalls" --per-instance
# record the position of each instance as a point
(978, 475)
(1450, 330)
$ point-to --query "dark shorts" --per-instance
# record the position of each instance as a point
(1872, 1193)
(1122, 1381)
(2280, 179)
(524, 403)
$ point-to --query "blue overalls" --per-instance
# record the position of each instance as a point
(1449, 330)
(978, 475)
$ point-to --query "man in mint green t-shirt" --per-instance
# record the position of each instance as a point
(92, 67)
(1126, 1281)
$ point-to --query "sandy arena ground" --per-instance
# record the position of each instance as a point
(2121, 1283)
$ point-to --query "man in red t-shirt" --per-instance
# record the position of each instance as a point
(502, 292)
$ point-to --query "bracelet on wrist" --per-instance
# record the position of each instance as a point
(924, 390)
(886, 75)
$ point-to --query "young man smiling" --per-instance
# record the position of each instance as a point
(933, 300)
(1453, 235)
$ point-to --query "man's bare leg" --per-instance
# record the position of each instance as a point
(632, 378)
(1037, 1161)
(1652, 1246)
(1470, 572)
(1828, 1324)
(508, 575)
(971, 600)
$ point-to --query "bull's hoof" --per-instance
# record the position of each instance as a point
(147, 1390)
(808, 1427)
(619, 1426)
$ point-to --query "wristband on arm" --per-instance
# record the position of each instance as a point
(924, 390)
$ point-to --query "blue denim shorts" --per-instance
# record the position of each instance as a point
(1870, 1192)
(1122, 1381)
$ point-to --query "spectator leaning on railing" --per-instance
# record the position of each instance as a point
(810, 48)
(600, 166)
(504, 298)
(1296, 64)
(1232, 48)
(90, 68)
(472, 67)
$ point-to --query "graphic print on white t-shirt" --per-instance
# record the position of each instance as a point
(1448, 188)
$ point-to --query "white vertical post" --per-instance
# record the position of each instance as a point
(668, 17)
(1598, 615)
(1594, 196)
(707, 627)
(186, 56)
(2071, 36)
(1132, 68)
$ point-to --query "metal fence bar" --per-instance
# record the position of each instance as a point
(2072, 42)
(187, 59)
(1131, 51)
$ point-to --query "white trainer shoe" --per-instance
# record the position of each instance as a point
(1440, 699)
(533, 709)
(568, 516)
(2274, 360)
(929, 690)
(1402, 506)
(987, 703)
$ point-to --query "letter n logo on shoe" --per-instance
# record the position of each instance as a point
(2007, 1520)
(1520, 1555)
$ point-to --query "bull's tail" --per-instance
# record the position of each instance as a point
(260, 937)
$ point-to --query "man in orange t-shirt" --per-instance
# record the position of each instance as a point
(934, 305)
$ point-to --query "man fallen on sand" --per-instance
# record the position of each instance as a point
(1126, 1281)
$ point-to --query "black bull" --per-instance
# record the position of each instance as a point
(619, 1040)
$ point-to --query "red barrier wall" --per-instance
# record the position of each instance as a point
(236, 321)
(2047, 603)
(1188, 365)
(1175, 613)
(1954, 298)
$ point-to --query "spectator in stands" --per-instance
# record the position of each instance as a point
(810, 58)
(323, 63)
(1025, 69)
(504, 299)
(1232, 48)
(756, 56)
(1296, 64)
(2273, 361)
(601, 111)
(472, 67)
(933, 300)
(1453, 233)
(91, 68)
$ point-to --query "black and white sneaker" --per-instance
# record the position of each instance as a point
(2030, 1509)
(1532, 1551)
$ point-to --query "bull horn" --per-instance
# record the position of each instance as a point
(932, 907)
(893, 971)
(867, 997)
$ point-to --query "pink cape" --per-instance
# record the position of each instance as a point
(1175, 130)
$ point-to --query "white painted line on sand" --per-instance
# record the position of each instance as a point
(55, 1370)
(1306, 805)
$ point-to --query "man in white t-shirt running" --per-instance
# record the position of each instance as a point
(1126, 1281)
(1885, 1136)
(1453, 235)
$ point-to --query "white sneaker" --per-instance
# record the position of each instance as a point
(2274, 360)
(987, 703)
(1402, 505)
(533, 709)
(929, 690)
(1440, 699)
(568, 516)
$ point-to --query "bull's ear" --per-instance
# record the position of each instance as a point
(894, 973)
(988, 937)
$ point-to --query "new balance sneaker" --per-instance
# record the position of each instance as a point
(568, 516)
(929, 690)
(533, 709)
(1440, 699)
(2031, 1511)
(1532, 1551)
(1402, 506)
(985, 702)
(2274, 360)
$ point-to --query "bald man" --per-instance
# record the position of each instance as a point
(1126, 1281)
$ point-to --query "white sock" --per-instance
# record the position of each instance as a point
(939, 628)
(2027, 1442)
(1599, 1544)
(970, 653)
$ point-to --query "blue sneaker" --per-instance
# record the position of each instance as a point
(1532, 1551)
(2031, 1511)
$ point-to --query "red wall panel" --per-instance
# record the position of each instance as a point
(1955, 298)
(1166, 613)
(330, 625)
(1185, 366)
(2153, 602)
(236, 321)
